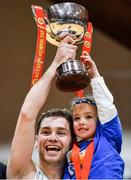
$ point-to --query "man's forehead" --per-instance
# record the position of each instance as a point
(55, 121)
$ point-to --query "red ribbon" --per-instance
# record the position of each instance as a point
(87, 39)
(86, 50)
(82, 172)
(41, 43)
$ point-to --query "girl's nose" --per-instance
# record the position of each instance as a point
(82, 121)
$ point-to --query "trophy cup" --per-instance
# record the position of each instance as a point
(70, 19)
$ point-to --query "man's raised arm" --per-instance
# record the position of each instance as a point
(20, 164)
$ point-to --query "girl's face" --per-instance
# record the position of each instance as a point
(84, 120)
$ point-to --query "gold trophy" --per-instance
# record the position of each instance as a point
(68, 18)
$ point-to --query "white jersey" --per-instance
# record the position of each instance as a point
(40, 175)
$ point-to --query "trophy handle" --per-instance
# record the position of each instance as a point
(52, 34)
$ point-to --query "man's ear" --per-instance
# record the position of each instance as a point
(36, 142)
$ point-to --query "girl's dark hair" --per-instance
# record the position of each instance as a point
(89, 100)
(57, 112)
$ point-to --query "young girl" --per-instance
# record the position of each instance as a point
(96, 151)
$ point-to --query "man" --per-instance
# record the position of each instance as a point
(54, 136)
(2, 171)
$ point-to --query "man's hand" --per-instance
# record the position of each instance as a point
(65, 51)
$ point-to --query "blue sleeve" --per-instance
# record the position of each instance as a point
(113, 132)
(69, 175)
(66, 174)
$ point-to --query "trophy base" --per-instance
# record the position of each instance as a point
(71, 76)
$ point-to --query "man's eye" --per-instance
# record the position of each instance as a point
(45, 133)
(61, 133)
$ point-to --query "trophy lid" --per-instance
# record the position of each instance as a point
(66, 18)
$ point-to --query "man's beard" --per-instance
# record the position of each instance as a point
(52, 162)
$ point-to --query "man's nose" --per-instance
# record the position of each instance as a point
(53, 137)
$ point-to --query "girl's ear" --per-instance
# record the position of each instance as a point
(36, 142)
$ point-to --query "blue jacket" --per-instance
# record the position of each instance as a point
(106, 162)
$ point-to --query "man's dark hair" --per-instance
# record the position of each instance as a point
(57, 112)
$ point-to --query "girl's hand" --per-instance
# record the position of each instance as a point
(90, 65)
